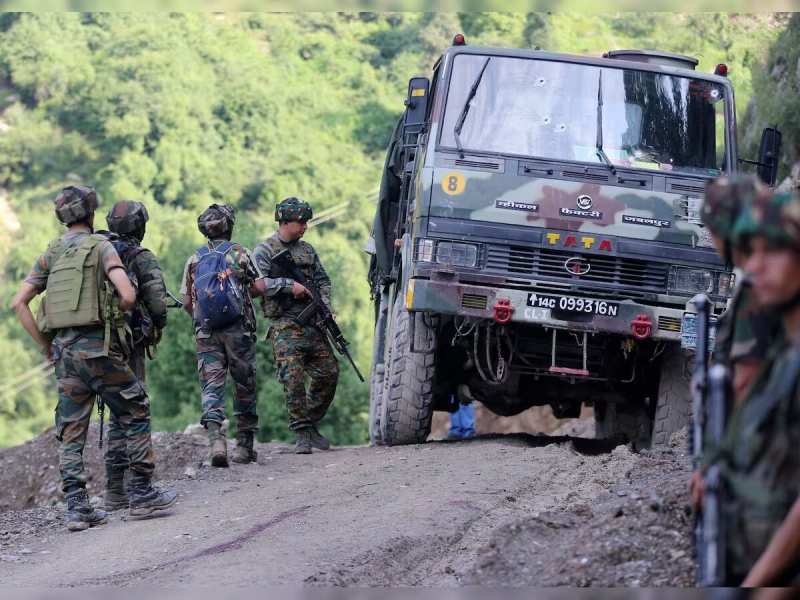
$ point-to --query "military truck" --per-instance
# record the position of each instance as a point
(537, 238)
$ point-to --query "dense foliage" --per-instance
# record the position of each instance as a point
(777, 96)
(182, 110)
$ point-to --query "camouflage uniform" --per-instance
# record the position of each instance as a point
(145, 270)
(300, 350)
(758, 458)
(84, 369)
(231, 348)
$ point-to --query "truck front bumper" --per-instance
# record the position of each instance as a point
(631, 318)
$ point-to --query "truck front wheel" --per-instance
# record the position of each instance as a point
(407, 403)
(674, 401)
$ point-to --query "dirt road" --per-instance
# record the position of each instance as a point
(505, 510)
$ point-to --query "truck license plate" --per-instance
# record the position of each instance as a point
(570, 304)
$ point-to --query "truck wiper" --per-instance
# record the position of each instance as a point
(463, 115)
(601, 154)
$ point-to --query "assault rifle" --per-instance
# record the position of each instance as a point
(711, 536)
(709, 405)
(699, 382)
(316, 311)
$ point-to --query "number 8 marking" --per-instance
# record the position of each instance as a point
(453, 184)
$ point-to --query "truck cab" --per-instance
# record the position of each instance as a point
(537, 240)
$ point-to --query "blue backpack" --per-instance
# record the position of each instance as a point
(219, 300)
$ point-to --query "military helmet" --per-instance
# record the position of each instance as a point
(128, 217)
(724, 199)
(75, 203)
(774, 217)
(216, 221)
(293, 209)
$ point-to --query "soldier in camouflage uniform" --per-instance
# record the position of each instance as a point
(300, 350)
(128, 219)
(230, 348)
(758, 459)
(88, 362)
(744, 331)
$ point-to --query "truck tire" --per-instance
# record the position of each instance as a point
(407, 406)
(375, 404)
(674, 401)
(377, 379)
(624, 423)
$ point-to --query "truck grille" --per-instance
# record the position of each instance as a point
(605, 270)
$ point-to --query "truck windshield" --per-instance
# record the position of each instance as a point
(548, 109)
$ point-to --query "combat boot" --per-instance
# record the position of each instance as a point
(115, 496)
(244, 452)
(146, 499)
(217, 446)
(303, 443)
(80, 514)
(318, 441)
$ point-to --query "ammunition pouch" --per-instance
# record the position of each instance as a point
(271, 308)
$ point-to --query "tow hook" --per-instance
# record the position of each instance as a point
(641, 327)
(503, 311)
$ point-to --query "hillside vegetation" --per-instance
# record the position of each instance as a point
(182, 110)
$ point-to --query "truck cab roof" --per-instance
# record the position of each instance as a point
(643, 60)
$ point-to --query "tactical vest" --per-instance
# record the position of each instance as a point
(303, 255)
(78, 294)
(76, 287)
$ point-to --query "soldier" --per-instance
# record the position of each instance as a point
(87, 352)
(228, 346)
(744, 332)
(758, 458)
(127, 219)
(300, 350)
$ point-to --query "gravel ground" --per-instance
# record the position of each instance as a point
(499, 510)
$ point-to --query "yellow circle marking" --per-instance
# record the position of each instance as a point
(453, 183)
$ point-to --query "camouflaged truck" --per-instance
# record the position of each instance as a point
(537, 239)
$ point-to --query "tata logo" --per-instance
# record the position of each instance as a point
(577, 265)
(584, 202)
(587, 242)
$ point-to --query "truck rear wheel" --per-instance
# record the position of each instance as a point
(674, 403)
(375, 403)
(377, 383)
(407, 403)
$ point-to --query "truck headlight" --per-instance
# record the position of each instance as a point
(691, 281)
(456, 254)
(425, 250)
(442, 252)
(686, 280)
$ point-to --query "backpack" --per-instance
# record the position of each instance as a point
(218, 299)
(76, 287)
(139, 319)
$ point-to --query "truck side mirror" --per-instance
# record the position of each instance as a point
(416, 102)
(768, 152)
